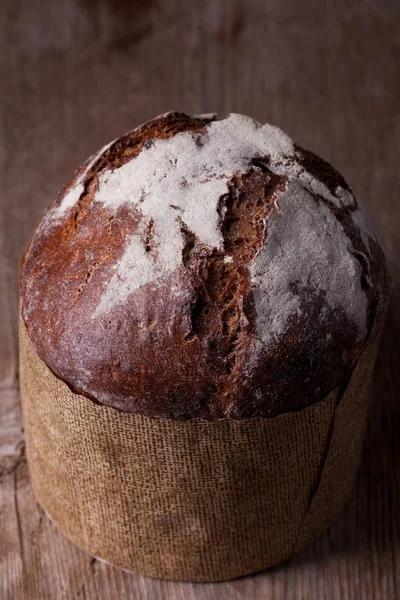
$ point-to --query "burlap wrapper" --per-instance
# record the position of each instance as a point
(192, 500)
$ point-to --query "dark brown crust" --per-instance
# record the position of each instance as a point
(186, 356)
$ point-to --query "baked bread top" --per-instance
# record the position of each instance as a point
(206, 268)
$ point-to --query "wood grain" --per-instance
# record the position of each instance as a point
(76, 74)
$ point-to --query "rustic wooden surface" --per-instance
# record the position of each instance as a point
(76, 74)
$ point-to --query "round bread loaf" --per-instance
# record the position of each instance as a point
(208, 268)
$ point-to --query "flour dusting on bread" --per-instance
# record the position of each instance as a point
(182, 180)
(305, 247)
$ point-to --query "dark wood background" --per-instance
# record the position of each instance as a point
(75, 74)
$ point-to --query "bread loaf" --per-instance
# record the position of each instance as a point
(207, 268)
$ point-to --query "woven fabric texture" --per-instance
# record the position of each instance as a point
(192, 500)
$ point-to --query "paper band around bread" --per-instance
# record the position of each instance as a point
(190, 500)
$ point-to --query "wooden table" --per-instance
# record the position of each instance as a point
(77, 74)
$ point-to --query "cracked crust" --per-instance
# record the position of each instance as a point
(185, 350)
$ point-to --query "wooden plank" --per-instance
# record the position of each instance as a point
(77, 74)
